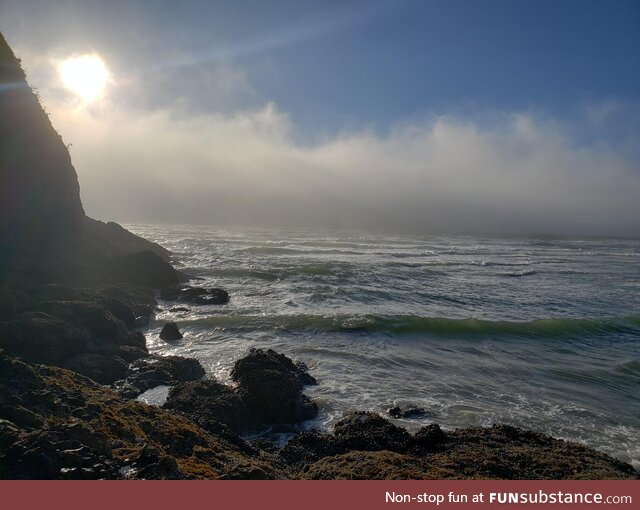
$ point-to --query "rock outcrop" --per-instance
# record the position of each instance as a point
(151, 371)
(170, 332)
(268, 392)
(39, 191)
(45, 234)
(366, 446)
(56, 424)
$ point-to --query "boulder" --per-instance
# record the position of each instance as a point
(268, 393)
(406, 412)
(271, 385)
(170, 332)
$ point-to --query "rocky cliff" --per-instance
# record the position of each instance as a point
(39, 192)
(43, 228)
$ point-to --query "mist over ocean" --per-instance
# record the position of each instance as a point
(542, 333)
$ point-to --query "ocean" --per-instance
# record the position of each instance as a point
(540, 333)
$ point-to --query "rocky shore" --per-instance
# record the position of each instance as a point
(74, 293)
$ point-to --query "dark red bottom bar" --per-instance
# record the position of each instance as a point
(311, 495)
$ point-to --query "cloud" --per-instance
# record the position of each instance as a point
(518, 173)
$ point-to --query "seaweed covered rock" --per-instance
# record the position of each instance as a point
(364, 446)
(380, 465)
(358, 431)
(87, 431)
(370, 431)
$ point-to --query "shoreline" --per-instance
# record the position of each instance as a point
(74, 294)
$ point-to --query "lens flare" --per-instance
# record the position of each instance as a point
(85, 75)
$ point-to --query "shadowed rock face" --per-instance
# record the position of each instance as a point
(44, 231)
(39, 191)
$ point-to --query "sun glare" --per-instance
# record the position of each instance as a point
(85, 75)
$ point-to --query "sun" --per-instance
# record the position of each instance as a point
(85, 75)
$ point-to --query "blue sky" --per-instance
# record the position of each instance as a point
(517, 80)
(331, 64)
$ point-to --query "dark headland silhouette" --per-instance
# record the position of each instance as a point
(73, 294)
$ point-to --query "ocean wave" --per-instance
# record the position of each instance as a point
(518, 274)
(273, 274)
(414, 325)
(276, 250)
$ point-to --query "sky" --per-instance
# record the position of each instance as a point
(408, 116)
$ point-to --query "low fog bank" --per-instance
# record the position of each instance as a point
(517, 174)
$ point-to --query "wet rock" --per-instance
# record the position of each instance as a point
(271, 385)
(142, 268)
(152, 371)
(205, 296)
(406, 412)
(260, 360)
(120, 311)
(130, 353)
(140, 300)
(269, 392)
(141, 321)
(179, 368)
(207, 400)
(104, 369)
(170, 332)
